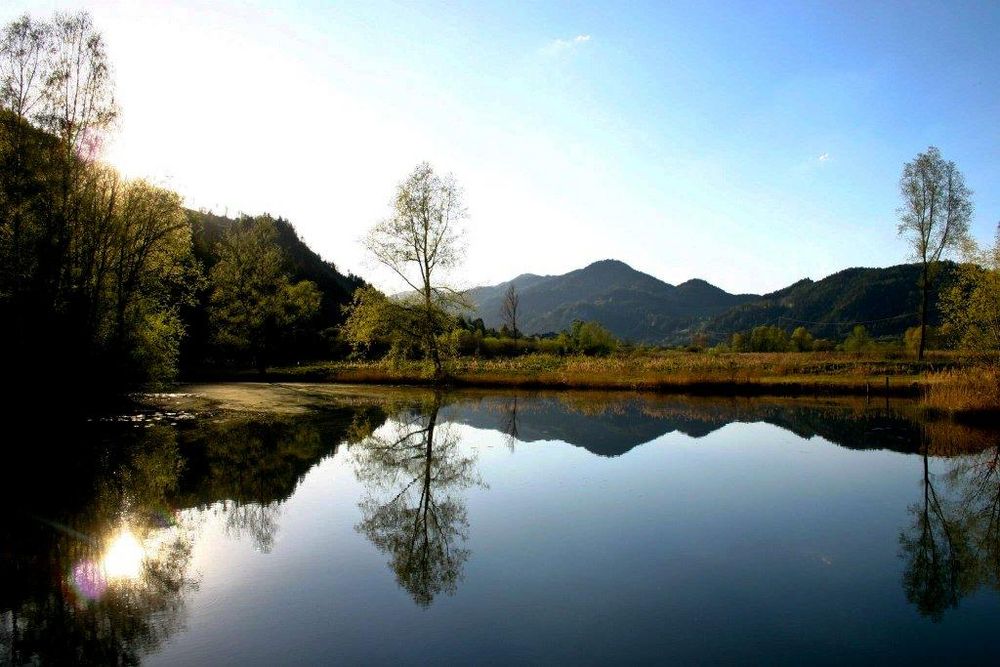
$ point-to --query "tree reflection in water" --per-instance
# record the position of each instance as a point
(411, 511)
(121, 562)
(952, 549)
(253, 520)
(96, 546)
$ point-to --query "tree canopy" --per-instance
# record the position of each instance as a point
(253, 300)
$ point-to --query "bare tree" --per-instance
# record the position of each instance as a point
(23, 48)
(509, 308)
(934, 217)
(79, 102)
(420, 241)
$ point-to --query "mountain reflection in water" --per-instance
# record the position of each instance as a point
(103, 517)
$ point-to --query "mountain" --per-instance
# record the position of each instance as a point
(631, 304)
(885, 300)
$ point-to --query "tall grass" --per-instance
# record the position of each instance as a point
(818, 372)
(967, 391)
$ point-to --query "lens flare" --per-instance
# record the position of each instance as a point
(124, 557)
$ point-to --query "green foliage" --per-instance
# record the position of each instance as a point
(301, 262)
(377, 325)
(421, 240)
(157, 345)
(802, 340)
(253, 301)
(769, 339)
(934, 218)
(937, 338)
(317, 338)
(93, 267)
(591, 339)
(972, 305)
(761, 339)
(859, 341)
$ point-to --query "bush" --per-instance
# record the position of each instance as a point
(859, 341)
(592, 339)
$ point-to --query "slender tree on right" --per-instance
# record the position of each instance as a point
(934, 218)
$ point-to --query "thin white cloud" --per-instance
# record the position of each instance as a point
(557, 46)
(824, 157)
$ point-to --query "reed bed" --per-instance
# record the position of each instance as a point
(965, 392)
(777, 373)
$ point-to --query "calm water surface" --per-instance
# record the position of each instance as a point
(403, 526)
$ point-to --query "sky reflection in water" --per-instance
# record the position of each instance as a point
(413, 527)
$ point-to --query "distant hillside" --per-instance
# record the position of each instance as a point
(631, 304)
(885, 300)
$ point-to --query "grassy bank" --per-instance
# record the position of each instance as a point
(971, 393)
(682, 372)
(946, 383)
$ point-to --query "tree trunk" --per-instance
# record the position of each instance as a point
(924, 289)
(431, 341)
(261, 362)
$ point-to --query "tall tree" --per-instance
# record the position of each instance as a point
(420, 241)
(934, 218)
(253, 301)
(92, 265)
(509, 308)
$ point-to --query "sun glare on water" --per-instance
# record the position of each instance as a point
(123, 559)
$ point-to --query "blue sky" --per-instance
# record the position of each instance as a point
(749, 144)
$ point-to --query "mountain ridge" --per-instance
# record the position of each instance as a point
(632, 304)
(639, 307)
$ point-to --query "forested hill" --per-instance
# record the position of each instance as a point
(631, 304)
(312, 338)
(336, 288)
(884, 300)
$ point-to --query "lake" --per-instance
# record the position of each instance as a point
(309, 525)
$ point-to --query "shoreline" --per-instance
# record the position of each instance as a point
(943, 387)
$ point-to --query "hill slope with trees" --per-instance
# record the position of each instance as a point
(300, 262)
(885, 300)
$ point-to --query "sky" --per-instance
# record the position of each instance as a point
(749, 144)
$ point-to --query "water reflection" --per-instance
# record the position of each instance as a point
(97, 551)
(612, 424)
(952, 549)
(101, 580)
(412, 511)
(96, 548)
